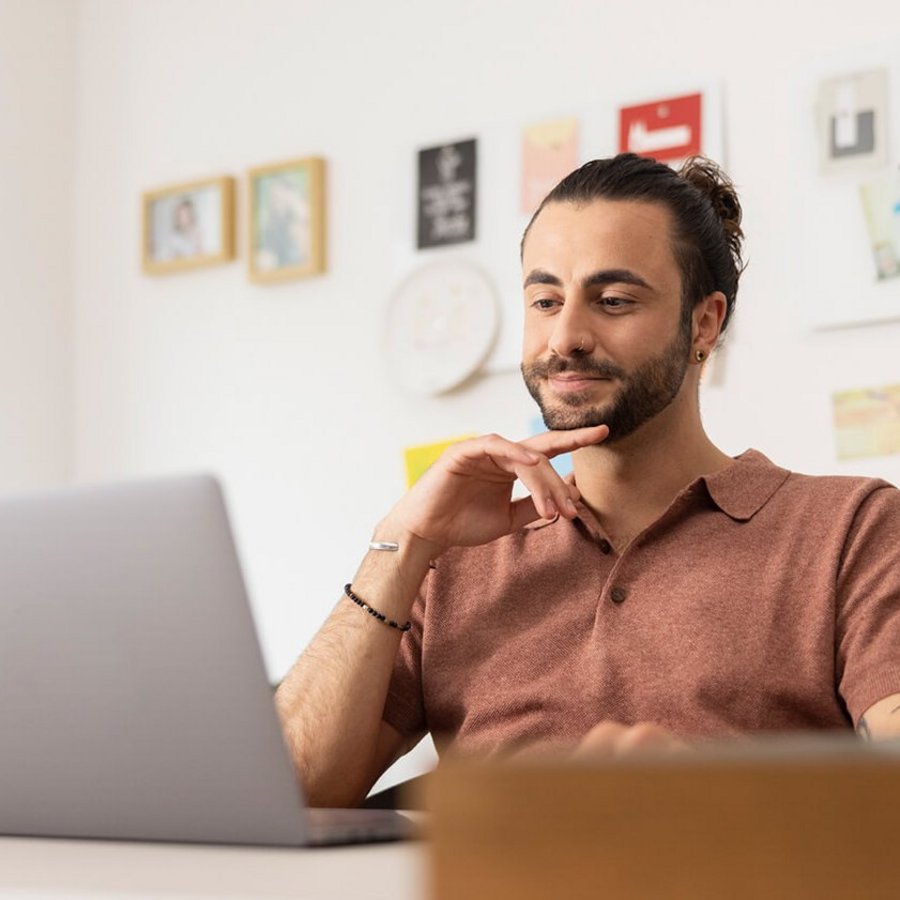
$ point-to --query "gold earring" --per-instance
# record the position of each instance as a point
(700, 355)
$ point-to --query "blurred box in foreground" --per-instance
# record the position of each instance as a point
(805, 818)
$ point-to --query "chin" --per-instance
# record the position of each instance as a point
(567, 418)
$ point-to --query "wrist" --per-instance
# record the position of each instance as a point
(391, 537)
(394, 577)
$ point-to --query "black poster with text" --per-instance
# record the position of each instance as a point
(447, 194)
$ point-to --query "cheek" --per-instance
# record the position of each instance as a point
(534, 341)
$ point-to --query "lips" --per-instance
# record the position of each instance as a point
(572, 382)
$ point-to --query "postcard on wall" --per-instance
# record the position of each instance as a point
(668, 130)
(867, 422)
(188, 225)
(447, 194)
(881, 204)
(851, 113)
(549, 152)
(417, 460)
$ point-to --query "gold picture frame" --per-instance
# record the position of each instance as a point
(286, 220)
(187, 226)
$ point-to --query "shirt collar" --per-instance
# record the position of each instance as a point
(742, 489)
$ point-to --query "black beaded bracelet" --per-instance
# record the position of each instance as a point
(374, 612)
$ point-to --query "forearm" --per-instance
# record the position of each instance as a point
(331, 701)
(881, 721)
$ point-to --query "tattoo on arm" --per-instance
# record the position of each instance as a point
(862, 729)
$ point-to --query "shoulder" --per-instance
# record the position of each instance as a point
(824, 490)
(753, 483)
(845, 493)
(845, 506)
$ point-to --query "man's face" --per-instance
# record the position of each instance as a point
(604, 340)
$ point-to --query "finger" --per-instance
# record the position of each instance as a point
(600, 741)
(552, 443)
(522, 512)
(550, 493)
(644, 736)
(504, 454)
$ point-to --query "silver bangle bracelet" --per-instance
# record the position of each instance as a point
(392, 546)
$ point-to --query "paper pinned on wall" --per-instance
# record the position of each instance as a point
(851, 113)
(447, 194)
(867, 422)
(881, 204)
(668, 130)
(419, 458)
(549, 152)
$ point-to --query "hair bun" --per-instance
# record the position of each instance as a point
(719, 189)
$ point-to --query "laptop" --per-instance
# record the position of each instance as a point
(134, 702)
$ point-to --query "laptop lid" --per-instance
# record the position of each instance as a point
(134, 701)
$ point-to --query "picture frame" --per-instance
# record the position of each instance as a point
(286, 220)
(447, 194)
(188, 225)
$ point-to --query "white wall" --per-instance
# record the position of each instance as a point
(37, 94)
(282, 390)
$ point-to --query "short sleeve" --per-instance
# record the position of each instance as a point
(404, 708)
(868, 604)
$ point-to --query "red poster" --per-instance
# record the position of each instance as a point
(664, 129)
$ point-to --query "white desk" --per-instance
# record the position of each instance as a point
(76, 870)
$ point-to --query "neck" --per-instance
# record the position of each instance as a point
(629, 483)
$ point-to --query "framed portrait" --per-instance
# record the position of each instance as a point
(188, 225)
(286, 205)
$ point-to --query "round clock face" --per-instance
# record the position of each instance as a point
(441, 326)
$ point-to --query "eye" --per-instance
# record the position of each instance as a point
(614, 304)
(544, 303)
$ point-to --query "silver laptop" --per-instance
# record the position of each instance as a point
(134, 702)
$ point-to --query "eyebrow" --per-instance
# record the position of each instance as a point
(601, 277)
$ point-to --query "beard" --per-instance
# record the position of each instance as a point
(643, 393)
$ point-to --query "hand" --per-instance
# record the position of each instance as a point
(465, 498)
(610, 739)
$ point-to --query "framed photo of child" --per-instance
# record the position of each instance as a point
(186, 226)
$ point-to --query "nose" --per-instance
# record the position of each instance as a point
(571, 335)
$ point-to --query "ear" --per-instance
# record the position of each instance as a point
(708, 316)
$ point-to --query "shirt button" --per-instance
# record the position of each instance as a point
(604, 545)
(618, 595)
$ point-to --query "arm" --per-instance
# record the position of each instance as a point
(331, 701)
(881, 720)
(867, 594)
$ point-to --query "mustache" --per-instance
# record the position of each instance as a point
(555, 365)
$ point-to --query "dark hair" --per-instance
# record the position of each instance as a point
(705, 209)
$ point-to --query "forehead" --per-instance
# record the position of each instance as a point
(569, 239)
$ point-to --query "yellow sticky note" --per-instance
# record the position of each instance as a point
(419, 458)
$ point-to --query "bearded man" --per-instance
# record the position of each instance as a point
(667, 592)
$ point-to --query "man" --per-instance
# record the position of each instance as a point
(670, 592)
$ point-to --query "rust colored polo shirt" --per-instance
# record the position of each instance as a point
(761, 599)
